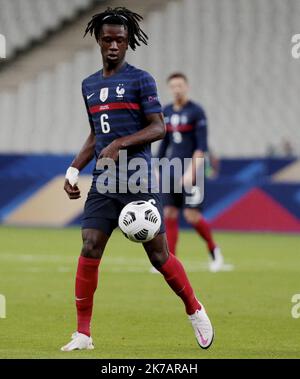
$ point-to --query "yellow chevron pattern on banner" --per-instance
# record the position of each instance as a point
(290, 173)
(50, 206)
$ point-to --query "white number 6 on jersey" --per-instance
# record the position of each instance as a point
(104, 123)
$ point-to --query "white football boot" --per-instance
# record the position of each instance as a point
(217, 263)
(79, 342)
(203, 329)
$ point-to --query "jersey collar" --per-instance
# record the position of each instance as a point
(122, 69)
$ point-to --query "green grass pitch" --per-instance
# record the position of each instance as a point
(136, 315)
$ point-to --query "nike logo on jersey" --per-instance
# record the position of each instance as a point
(77, 298)
(91, 95)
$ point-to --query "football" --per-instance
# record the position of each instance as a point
(140, 221)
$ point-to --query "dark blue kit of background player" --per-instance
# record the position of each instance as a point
(186, 133)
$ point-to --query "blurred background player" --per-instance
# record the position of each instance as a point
(186, 137)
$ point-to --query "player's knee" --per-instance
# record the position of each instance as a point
(158, 257)
(90, 249)
(191, 216)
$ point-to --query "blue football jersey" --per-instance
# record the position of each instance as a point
(186, 131)
(117, 106)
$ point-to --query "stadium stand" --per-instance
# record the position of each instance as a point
(246, 83)
(24, 22)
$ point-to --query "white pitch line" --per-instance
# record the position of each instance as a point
(119, 269)
(34, 258)
(123, 263)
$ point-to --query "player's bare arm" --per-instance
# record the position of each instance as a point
(154, 131)
(83, 158)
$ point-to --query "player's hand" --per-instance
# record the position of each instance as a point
(111, 151)
(72, 191)
(187, 181)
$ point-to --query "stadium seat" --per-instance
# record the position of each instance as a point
(235, 53)
(26, 21)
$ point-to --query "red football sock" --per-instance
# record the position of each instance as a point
(172, 233)
(175, 276)
(203, 229)
(86, 284)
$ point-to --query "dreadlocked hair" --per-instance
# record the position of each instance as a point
(119, 16)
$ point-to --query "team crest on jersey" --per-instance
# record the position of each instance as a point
(184, 119)
(120, 91)
(175, 120)
(104, 94)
